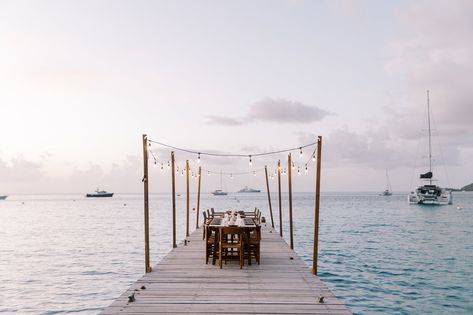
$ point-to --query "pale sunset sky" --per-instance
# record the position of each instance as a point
(81, 81)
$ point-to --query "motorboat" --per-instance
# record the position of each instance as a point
(100, 193)
(249, 190)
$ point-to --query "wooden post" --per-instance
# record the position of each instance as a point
(187, 200)
(174, 244)
(269, 196)
(289, 179)
(279, 192)
(198, 199)
(146, 201)
(317, 207)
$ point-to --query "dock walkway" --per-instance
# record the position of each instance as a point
(181, 283)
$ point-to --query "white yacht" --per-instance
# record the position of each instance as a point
(429, 193)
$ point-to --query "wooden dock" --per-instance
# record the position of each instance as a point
(181, 283)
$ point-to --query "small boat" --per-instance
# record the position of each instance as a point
(3, 197)
(429, 194)
(100, 193)
(219, 192)
(388, 190)
(249, 190)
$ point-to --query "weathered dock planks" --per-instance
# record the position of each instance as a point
(182, 283)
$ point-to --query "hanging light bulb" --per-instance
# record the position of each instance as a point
(300, 152)
(250, 162)
(162, 167)
(298, 170)
(182, 173)
(231, 176)
(306, 168)
(313, 158)
(149, 143)
(293, 167)
(198, 157)
(208, 173)
(155, 163)
(169, 165)
(177, 170)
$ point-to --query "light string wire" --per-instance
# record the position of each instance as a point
(231, 154)
(237, 173)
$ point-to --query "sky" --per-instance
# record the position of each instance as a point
(82, 81)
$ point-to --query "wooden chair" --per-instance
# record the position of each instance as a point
(254, 244)
(210, 242)
(225, 243)
(207, 221)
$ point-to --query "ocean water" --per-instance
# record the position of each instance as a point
(68, 254)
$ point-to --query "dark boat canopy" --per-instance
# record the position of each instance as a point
(426, 175)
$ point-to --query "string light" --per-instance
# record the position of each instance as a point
(306, 168)
(230, 154)
(169, 165)
(250, 162)
(198, 158)
(231, 176)
(298, 170)
(162, 167)
(208, 173)
(300, 152)
(155, 163)
(293, 167)
(313, 158)
(182, 173)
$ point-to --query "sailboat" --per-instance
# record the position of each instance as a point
(219, 192)
(388, 190)
(429, 194)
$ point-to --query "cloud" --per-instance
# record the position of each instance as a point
(224, 121)
(433, 51)
(278, 110)
(285, 111)
(20, 170)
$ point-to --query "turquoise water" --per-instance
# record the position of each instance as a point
(68, 254)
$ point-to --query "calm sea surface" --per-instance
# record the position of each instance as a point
(69, 254)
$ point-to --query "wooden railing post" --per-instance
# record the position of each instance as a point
(269, 196)
(198, 199)
(146, 202)
(279, 193)
(174, 243)
(187, 200)
(317, 207)
(289, 178)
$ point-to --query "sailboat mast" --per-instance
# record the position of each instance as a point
(430, 141)
(220, 179)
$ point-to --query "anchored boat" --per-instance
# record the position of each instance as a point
(249, 190)
(430, 194)
(100, 193)
(219, 192)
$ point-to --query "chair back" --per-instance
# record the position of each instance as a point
(212, 210)
(231, 230)
(205, 216)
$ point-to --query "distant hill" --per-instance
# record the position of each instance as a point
(468, 187)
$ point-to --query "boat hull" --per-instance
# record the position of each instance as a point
(99, 195)
(3, 197)
(430, 196)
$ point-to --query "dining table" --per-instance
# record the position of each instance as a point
(247, 224)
